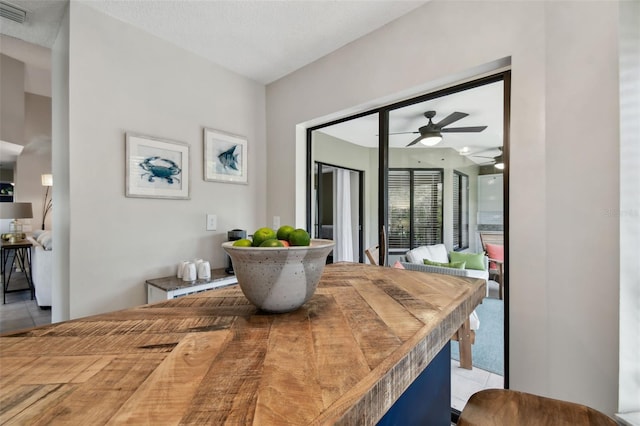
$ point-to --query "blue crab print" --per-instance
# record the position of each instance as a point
(161, 168)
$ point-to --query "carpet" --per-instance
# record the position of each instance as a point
(488, 350)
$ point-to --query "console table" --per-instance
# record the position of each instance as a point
(171, 287)
(20, 251)
(370, 346)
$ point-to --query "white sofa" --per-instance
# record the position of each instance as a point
(42, 266)
(414, 260)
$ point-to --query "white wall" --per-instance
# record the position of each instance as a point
(12, 100)
(122, 79)
(563, 291)
(61, 216)
(629, 211)
(581, 285)
(35, 159)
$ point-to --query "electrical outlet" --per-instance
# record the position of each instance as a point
(212, 222)
(276, 222)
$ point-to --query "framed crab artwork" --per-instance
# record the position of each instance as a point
(225, 157)
(156, 168)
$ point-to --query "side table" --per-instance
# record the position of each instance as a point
(20, 251)
(172, 287)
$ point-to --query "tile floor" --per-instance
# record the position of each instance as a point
(21, 312)
(465, 383)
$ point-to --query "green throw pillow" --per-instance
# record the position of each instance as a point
(455, 265)
(474, 260)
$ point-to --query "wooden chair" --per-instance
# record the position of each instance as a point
(496, 266)
(497, 407)
(373, 253)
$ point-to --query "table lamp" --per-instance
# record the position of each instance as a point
(15, 211)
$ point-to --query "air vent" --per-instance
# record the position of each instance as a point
(12, 12)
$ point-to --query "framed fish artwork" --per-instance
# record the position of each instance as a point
(156, 168)
(225, 157)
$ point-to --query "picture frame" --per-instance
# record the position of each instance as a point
(225, 157)
(156, 168)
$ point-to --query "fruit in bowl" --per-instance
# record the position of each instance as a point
(278, 278)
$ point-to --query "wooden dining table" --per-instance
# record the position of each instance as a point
(368, 339)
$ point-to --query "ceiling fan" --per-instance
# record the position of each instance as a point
(431, 133)
(496, 160)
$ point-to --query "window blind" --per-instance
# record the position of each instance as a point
(456, 211)
(415, 208)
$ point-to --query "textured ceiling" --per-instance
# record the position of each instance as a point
(262, 40)
(42, 24)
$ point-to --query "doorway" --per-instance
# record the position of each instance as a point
(452, 190)
(338, 210)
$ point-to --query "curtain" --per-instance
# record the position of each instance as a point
(343, 233)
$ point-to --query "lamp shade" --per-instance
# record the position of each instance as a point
(431, 139)
(16, 211)
(47, 180)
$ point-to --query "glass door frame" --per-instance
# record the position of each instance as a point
(383, 164)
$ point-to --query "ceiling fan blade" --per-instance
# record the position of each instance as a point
(415, 141)
(471, 129)
(403, 133)
(451, 118)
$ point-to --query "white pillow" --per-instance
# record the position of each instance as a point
(418, 254)
(438, 253)
(45, 240)
(435, 253)
(36, 234)
(42, 235)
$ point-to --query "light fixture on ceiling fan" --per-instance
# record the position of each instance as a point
(431, 139)
(497, 160)
(431, 133)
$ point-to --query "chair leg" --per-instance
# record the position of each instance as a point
(464, 342)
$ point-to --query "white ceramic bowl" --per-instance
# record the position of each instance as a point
(279, 279)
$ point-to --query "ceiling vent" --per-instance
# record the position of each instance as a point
(12, 12)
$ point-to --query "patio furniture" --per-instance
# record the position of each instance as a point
(373, 253)
(493, 246)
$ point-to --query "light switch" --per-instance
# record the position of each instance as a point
(212, 222)
(276, 222)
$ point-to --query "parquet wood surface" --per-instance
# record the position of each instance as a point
(212, 358)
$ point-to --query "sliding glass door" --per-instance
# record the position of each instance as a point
(435, 171)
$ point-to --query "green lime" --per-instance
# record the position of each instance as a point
(284, 231)
(272, 243)
(263, 234)
(299, 237)
(242, 243)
